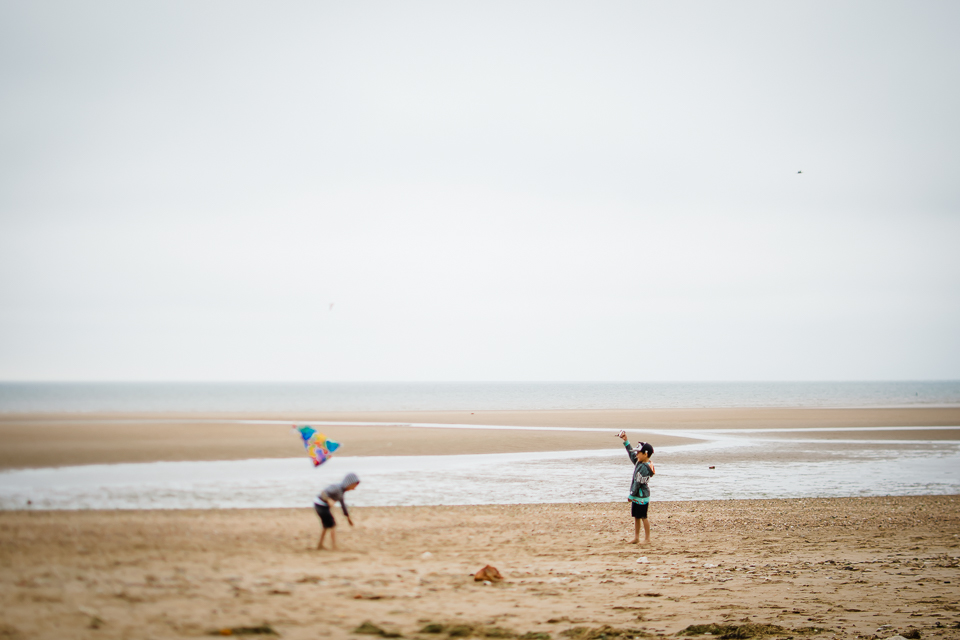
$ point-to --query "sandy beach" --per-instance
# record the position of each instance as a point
(839, 568)
(820, 568)
(57, 440)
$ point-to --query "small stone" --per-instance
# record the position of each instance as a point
(488, 573)
(426, 555)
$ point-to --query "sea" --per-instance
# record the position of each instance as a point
(293, 397)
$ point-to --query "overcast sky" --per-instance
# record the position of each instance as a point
(479, 190)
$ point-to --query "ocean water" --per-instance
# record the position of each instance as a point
(725, 464)
(475, 396)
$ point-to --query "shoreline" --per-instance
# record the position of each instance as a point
(55, 440)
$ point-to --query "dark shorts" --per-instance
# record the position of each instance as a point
(636, 510)
(326, 518)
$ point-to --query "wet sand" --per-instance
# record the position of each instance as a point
(847, 568)
(58, 440)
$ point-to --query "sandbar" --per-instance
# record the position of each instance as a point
(43, 440)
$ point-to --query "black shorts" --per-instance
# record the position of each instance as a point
(326, 518)
(636, 510)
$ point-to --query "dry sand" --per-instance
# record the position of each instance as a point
(57, 440)
(867, 567)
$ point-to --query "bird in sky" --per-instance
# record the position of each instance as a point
(799, 171)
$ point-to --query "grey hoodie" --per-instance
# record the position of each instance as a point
(336, 492)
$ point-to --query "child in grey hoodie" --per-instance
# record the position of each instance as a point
(323, 504)
(639, 489)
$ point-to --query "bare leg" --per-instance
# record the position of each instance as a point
(646, 530)
(636, 531)
(323, 532)
(333, 539)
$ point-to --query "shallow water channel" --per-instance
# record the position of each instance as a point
(722, 465)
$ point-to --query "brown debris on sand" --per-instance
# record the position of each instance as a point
(262, 630)
(602, 633)
(467, 630)
(488, 573)
(747, 630)
(370, 629)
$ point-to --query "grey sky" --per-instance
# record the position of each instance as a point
(483, 190)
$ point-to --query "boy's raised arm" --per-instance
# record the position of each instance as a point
(626, 443)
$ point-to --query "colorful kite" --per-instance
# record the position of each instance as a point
(318, 447)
